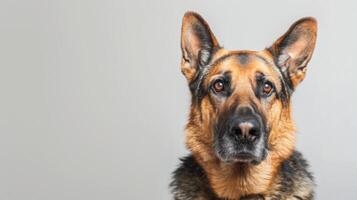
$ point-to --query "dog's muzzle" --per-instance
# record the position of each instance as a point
(240, 136)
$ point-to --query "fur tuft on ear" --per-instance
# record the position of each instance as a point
(294, 49)
(197, 44)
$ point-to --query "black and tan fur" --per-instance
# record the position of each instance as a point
(240, 131)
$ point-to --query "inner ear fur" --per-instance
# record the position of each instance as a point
(293, 50)
(197, 44)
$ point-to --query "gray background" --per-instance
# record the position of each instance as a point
(93, 104)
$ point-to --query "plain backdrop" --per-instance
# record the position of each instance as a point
(93, 104)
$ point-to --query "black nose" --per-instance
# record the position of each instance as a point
(249, 129)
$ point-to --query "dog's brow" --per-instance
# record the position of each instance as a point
(263, 59)
(221, 59)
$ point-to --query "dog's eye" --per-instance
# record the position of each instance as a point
(267, 88)
(218, 86)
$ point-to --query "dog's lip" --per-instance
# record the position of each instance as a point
(243, 157)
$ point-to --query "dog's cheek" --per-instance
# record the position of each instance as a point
(208, 120)
(273, 112)
(206, 112)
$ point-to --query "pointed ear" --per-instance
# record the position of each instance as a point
(197, 44)
(294, 49)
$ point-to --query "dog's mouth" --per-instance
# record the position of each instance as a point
(231, 151)
(244, 157)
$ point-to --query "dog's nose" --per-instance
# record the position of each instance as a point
(248, 129)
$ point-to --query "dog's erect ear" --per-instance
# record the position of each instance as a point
(294, 49)
(197, 44)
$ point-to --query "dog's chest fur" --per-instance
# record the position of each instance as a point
(293, 181)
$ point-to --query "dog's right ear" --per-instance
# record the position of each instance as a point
(197, 44)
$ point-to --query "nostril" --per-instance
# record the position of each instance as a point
(237, 131)
(254, 132)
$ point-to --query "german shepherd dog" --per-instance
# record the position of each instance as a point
(240, 130)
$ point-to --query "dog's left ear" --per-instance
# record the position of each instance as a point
(197, 44)
(294, 49)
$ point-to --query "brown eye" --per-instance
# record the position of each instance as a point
(267, 88)
(218, 86)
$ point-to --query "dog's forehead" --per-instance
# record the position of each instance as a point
(242, 62)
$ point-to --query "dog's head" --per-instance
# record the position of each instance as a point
(239, 98)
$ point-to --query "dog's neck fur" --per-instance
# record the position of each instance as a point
(232, 181)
